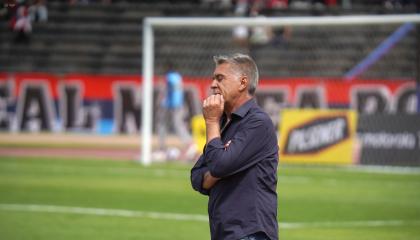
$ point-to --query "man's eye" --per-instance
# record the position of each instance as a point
(219, 78)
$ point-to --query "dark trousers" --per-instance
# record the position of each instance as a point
(256, 236)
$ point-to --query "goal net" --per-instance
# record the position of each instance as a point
(366, 63)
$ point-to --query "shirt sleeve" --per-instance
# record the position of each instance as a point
(197, 175)
(249, 145)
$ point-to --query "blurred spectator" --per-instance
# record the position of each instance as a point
(21, 23)
(241, 33)
(38, 11)
(172, 114)
(280, 35)
(259, 36)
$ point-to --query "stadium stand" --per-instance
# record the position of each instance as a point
(106, 39)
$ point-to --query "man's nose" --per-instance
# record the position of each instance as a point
(213, 84)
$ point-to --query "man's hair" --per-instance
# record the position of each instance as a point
(243, 64)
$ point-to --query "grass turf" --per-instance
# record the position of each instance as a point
(323, 202)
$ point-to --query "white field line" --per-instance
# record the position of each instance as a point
(193, 217)
(351, 224)
(383, 169)
(158, 172)
(161, 172)
(102, 212)
(181, 173)
(71, 169)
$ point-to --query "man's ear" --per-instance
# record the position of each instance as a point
(244, 83)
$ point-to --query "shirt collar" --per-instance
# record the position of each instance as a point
(243, 110)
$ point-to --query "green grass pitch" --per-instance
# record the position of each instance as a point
(46, 198)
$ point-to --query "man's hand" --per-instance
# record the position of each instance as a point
(213, 107)
(209, 180)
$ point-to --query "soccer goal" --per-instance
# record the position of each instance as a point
(316, 62)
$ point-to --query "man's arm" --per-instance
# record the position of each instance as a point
(197, 176)
(252, 142)
(213, 108)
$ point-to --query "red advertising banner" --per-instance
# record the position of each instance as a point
(101, 103)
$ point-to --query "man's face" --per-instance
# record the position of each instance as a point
(226, 82)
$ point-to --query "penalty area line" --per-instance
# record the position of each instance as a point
(193, 217)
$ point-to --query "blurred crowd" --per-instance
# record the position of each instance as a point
(267, 3)
(21, 14)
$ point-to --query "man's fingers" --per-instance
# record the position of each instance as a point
(216, 99)
(221, 100)
(213, 101)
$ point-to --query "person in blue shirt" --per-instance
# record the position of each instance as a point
(174, 91)
(172, 114)
(238, 167)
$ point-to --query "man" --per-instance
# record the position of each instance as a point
(173, 108)
(238, 169)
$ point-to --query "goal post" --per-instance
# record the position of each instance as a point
(148, 54)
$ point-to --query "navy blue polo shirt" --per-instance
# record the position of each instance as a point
(244, 200)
